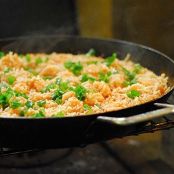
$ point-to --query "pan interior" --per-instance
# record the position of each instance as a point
(147, 57)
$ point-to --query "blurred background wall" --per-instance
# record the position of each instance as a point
(149, 22)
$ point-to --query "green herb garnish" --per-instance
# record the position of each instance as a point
(80, 92)
(22, 113)
(137, 68)
(40, 114)
(49, 87)
(91, 52)
(104, 76)
(75, 68)
(17, 94)
(41, 103)
(85, 78)
(29, 104)
(129, 82)
(58, 101)
(63, 86)
(6, 70)
(58, 81)
(130, 75)
(133, 93)
(92, 62)
(57, 94)
(98, 105)
(47, 78)
(2, 54)
(111, 59)
(28, 58)
(38, 61)
(11, 79)
(87, 108)
(59, 114)
(15, 104)
(7, 95)
(4, 98)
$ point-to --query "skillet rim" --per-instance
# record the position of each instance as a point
(98, 39)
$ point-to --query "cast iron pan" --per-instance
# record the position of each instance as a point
(81, 130)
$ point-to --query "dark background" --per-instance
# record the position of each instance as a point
(33, 17)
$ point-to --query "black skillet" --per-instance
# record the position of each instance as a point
(81, 130)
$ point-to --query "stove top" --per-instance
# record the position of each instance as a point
(140, 155)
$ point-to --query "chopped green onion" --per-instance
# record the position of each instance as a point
(111, 59)
(104, 76)
(133, 93)
(5, 97)
(17, 94)
(30, 70)
(41, 103)
(91, 52)
(49, 87)
(98, 105)
(57, 94)
(92, 62)
(15, 104)
(85, 78)
(6, 70)
(59, 114)
(29, 104)
(38, 61)
(2, 54)
(47, 78)
(22, 113)
(28, 58)
(58, 101)
(39, 114)
(86, 107)
(11, 79)
(63, 86)
(129, 83)
(58, 81)
(130, 75)
(75, 68)
(80, 92)
(137, 68)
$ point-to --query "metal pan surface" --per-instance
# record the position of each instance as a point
(81, 130)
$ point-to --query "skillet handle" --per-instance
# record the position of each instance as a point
(125, 121)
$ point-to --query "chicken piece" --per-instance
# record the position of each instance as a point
(50, 70)
(36, 83)
(94, 98)
(35, 96)
(21, 87)
(73, 105)
(11, 60)
(103, 88)
(68, 95)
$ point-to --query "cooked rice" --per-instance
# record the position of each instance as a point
(107, 86)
